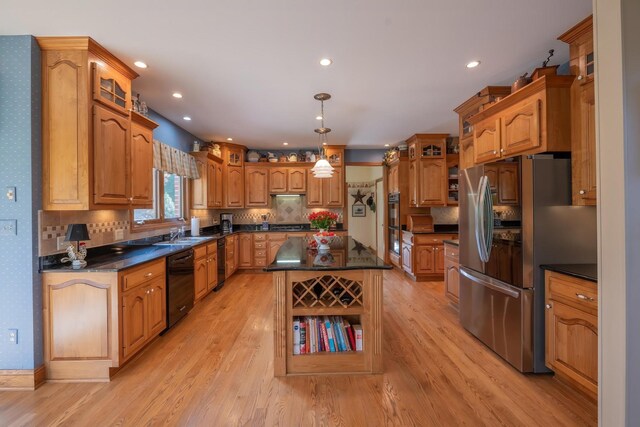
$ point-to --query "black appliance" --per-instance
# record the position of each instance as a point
(501, 283)
(180, 287)
(394, 223)
(221, 264)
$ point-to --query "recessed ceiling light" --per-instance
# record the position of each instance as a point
(318, 117)
(386, 145)
(285, 143)
(177, 95)
(325, 62)
(324, 143)
(229, 139)
(140, 64)
(473, 64)
(187, 118)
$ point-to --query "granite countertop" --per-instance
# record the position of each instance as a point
(438, 229)
(581, 271)
(455, 242)
(120, 256)
(345, 254)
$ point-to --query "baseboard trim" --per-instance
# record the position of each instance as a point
(22, 379)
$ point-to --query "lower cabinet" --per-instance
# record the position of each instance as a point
(205, 269)
(572, 330)
(423, 255)
(275, 241)
(212, 266)
(230, 256)
(451, 272)
(245, 250)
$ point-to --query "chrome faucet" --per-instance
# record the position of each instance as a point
(173, 234)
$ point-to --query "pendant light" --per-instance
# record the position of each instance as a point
(322, 168)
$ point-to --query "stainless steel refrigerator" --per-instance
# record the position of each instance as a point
(501, 298)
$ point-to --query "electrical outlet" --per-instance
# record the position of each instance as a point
(13, 336)
(8, 227)
(61, 243)
(11, 194)
(119, 234)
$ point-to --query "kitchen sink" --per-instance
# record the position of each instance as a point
(183, 241)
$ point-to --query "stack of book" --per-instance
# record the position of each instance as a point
(317, 334)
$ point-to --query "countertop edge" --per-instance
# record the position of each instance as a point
(570, 270)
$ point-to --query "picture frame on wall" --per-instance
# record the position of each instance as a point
(358, 210)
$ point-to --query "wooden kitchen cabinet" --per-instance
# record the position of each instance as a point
(333, 189)
(200, 277)
(278, 181)
(205, 269)
(296, 180)
(423, 255)
(245, 250)
(534, 119)
(572, 330)
(583, 112)
(256, 187)
(468, 109)
(276, 240)
(133, 321)
(206, 191)
(234, 188)
(504, 178)
(111, 168)
(486, 140)
(451, 272)
(231, 255)
(314, 191)
(428, 175)
(392, 177)
(424, 260)
(141, 182)
(432, 183)
(86, 131)
(212, 266)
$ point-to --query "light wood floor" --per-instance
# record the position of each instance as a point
(215, 369)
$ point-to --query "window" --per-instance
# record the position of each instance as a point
(168, 201)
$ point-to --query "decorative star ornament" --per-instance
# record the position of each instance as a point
(359, 197)
(359, 247)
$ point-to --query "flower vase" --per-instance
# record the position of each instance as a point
(323, 241)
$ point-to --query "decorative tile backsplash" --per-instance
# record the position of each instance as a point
(447, 215)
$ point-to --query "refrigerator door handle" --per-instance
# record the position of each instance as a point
(478, 223)
(488, 206)
(484, 228)
(490, 283)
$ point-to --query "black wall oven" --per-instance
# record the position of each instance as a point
(394, 223)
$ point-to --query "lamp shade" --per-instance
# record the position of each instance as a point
(322, 169)
(77, 232)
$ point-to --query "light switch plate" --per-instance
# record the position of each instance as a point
(8, 227)
(13, 336)
(119, 234)
(61, 243)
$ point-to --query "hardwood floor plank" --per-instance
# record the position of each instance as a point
(215, 367)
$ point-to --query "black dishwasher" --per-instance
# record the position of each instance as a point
(180, 287)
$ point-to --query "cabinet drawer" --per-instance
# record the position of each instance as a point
(431, 239)
(260, 262)
(259, 245)
(199, 251)
(579, 293)
(277, 236)
(259, 237)
(212, 249)
(143, 274)
(260, 253)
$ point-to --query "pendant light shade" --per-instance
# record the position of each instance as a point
(322, 168)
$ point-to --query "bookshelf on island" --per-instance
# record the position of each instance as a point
(335, 296)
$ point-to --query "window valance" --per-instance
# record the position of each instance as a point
(171, 160)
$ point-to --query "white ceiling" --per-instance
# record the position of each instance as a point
(249, 69)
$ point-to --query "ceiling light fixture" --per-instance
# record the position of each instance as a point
(325, 62)
(140, 64)
(187, 118)
(229, 139)
(473, 64)
(285, 143)
(177, 95)
(318, 117)
(386, 145)
(322, 168)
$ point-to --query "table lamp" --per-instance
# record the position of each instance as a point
(77, 233)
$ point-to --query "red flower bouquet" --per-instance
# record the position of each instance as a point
(323, 220)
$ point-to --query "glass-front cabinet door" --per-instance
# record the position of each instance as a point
(110, 88)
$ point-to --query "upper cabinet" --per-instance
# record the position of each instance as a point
(207, 189)
(504, 179)
(287, 180)
(534, 119)
(583, 114)
(393, 184)
(233, 175)
(256, 186)
(87, 144)
(141, 160)
(428, 175)
(474, 105)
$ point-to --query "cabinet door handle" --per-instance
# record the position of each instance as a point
(495, 152)
(584, 297)
(148, 292)
(580, 77)
(582, 192)
(502, 150)
(148, 275)
(548, 306)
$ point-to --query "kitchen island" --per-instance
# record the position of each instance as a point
(338, 291)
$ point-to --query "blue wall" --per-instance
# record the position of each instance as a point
(364, 155)
(172, 134)
(20, 167)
